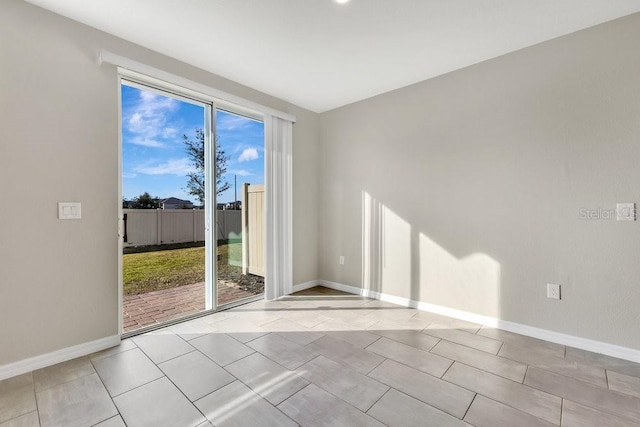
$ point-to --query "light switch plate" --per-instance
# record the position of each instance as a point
(626, 212)
(69, 210)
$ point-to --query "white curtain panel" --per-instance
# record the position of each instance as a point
(278, 207)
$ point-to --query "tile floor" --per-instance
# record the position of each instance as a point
(321, 358)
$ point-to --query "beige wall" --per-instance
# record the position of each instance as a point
(465, 190)
(59, 142)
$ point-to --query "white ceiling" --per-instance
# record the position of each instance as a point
(321, 55)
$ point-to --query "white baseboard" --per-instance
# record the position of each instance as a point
(518, 328)
(306, 285)
(31, 364)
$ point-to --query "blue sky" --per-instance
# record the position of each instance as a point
(153, 153)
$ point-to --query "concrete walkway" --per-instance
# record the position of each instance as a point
(160, 306)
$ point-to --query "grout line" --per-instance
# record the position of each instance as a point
(107, 390)
(447, 370)
(469, 407)
(173, 358)
(378, 399)
(372, 369)
(187, 397)
(110, 418)
(434, 346)
(35, 396)
(231, 363)
(136, 387)
(500, 401)
(65, 381)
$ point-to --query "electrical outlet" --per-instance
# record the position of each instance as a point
(626, 212)
(553, 291)
(341, 259)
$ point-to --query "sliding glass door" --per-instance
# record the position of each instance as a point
(164, 213)
(192, 212)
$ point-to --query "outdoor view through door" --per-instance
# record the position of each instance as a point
(240, 207)
(166, 171)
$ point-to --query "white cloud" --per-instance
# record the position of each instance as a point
(248, 154)
(230, 121)
(144, 142)
(169, 132)
(240, 172)
(178, 167)
(129, 175)
(148, 118)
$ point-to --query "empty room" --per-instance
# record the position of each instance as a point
(319, 212)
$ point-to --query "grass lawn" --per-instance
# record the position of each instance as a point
(161, 269)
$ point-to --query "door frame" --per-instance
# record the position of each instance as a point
(212, 102)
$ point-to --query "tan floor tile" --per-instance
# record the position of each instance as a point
(527, 399)
(624, 383)
(195, 374)
(81, 402)
(27, 420)
(419, 359)
(267, 378)
(237, 405)
(360, 339)
(17, 396)
(238, 324)
(523, 341)
(603, 361)
(302, 338)
(307, 318)
(352, 387)
(542, 359)
(245, 337)
(112, 422)
(396, 409)
(488, 413)
(396, 314)
(221, 348)
(158, 403)
(125, 345)
(449, 322)
(584, 393)
(284, 325)
(125, 371)
(348, 350)
(313, 407)
(62, 373)
(411, 324)
(360, 360)
(257, 317)
(443, 395)
(342, 322)
(160, 347)
(576, 415)
(479, 359)
(412, 338)
(463, 337)
(283, 351)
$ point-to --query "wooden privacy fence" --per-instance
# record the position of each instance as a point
(165, 226)
(253, 229)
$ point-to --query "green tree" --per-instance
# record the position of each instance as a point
(145, 201)
(195, 150)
